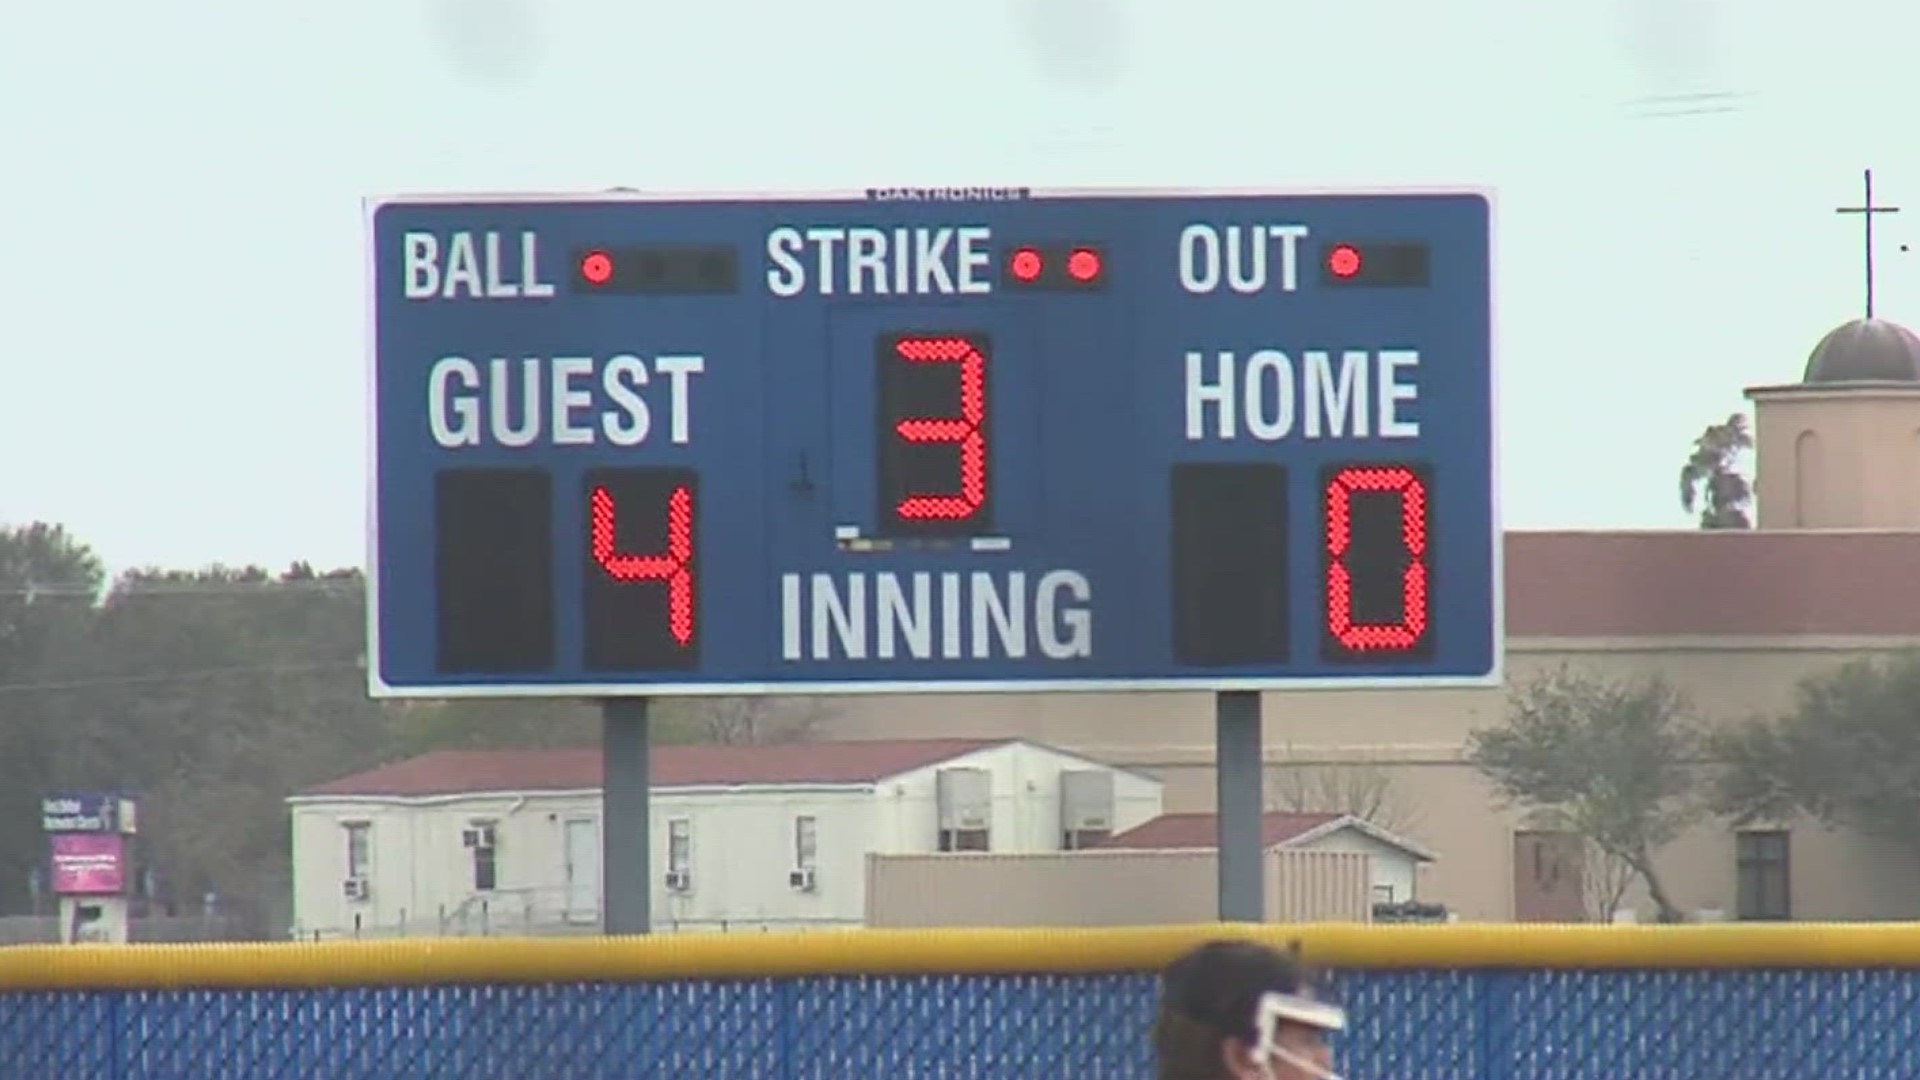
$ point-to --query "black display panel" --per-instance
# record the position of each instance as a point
(1230, 573)
(493, 565)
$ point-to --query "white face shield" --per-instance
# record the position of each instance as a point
(1274, 1009)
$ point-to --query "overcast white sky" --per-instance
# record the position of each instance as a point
(181, 275)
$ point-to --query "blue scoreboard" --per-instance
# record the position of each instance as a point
(931, 440)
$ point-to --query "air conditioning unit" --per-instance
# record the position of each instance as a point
(964, 799)
(355, 889)
(480, 836)
(679, 881)
(1086, 800)
(801, 879)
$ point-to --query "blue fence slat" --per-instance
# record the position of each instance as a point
(1409, 1025)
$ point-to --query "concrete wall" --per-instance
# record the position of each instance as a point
(1104, 888)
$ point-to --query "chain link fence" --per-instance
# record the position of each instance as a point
(1410, 1025)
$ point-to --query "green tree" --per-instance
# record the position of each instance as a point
(49, 583)
(512, 723)
(422, 726)
(1712, 479)
(212, 695)
(1847, 754)
(1611, 761)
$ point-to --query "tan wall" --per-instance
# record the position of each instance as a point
(1836, 459)
(1105, 888)
(1415, 738)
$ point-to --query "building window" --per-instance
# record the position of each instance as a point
(1761, 863)
(964, 840)
(486, 856)
(1082, 839)
(359, 848)
(680, 846)
(805, 842)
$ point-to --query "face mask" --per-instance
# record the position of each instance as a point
(1275, 1008)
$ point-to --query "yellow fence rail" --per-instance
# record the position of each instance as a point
(511, 961)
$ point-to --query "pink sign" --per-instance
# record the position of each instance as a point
(89, 864)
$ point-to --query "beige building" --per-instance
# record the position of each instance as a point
(742, 837)
(1395, 864)
(1734, 618)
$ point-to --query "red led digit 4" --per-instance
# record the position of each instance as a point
(1415, 600)
(674, 566)
(964, 430)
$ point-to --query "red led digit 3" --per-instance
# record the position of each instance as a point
(673, 566)
(1377, 637)
(963, 430)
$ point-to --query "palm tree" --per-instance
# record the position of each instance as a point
(1711, 478)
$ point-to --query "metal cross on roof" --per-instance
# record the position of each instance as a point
(1867, 210)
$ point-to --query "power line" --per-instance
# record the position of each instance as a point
(175, 677)
(306, 589)
(186, 588)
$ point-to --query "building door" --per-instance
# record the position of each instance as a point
(583, 869)
(1549, 877)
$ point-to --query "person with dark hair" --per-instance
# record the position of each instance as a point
(1239, 1010)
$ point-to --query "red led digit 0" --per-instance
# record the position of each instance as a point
(673, 566)
(1377, 637)
(963, 430)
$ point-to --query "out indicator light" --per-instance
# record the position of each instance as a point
(1384, 264)
(596, 267)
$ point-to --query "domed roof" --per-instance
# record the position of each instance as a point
(1865, 350)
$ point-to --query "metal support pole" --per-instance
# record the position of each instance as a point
(625, 831)
(1239, 773)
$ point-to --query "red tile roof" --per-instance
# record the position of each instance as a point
(1202, 830)
(1720, 583)
(456, 772)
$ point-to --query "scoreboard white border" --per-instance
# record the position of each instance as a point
(378, 687)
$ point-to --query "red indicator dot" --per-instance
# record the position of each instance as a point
(1083, 265)
(597, 267)
(1027, 264)
(1344, 260)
